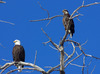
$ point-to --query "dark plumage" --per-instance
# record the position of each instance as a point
(18, 54)
(69, 28)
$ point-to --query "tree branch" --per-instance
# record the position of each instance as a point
(18, 69)
(7, 22)
(43, 9)
(93, 69)
(22, 63)
(54, 44)
(46, 18)
(83, 65)
(35, 57)
(2, 2)
(73, 60)
(82, 7)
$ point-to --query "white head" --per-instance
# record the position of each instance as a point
(17, 42)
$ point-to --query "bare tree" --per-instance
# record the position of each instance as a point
(63, 62)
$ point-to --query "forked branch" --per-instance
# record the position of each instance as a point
(3, 68)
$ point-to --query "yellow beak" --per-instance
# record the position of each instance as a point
(63, 11)
(14, 41)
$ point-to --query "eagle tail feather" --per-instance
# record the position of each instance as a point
(19, 68)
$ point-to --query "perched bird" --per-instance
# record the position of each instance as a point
(68, 24)
(18, 54)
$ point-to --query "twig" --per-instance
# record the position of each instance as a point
(66, 54)
(29, 71)
(47, 18)
(77, 53)
(54, 44)
(6, 66)
(73, 60)
(78, 19)
(6, 60)
(35, 57)
(88, 65)
(48, 23)
(46, 11)
(46, 42)
(84, 43)
(78, 44)
(83, 65)
(83, 3)
(70, 56)
(77, 65)
(87, 54)
(2, 2)
(53, 47)
(43, 9)
(93, 69)
(77, 15)
(2, 45)
(82, 7)
(47, 67)
(7, 22)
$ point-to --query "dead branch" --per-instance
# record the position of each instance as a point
(63, 40)
(77, 15)
(77, 65)
(93, 69)
(46, 18)
(89, 65)
(82, 7)
(83, 65)
(6, 60)
(49, 71)
(78, 44)
(44, 9)
(71, 17)
(6, 66)
(7, 22)
(2, 45)
(73, 60)
(22, 63)
(35, 57)
(18, 69)
(88, 55)
(54, 44)
(71, 55)
(2, 2)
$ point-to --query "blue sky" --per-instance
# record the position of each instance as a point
(31, 36)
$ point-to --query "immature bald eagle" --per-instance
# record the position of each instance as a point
(18, 54)
(70, 27)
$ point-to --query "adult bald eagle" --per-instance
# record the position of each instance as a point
(18, 54)
(70, 27)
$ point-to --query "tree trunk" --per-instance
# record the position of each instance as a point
(62, 62)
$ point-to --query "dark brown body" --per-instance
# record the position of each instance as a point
(69, 25)
(18, 53)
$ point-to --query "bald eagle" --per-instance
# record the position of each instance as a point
(18, 53)
(70, 27)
